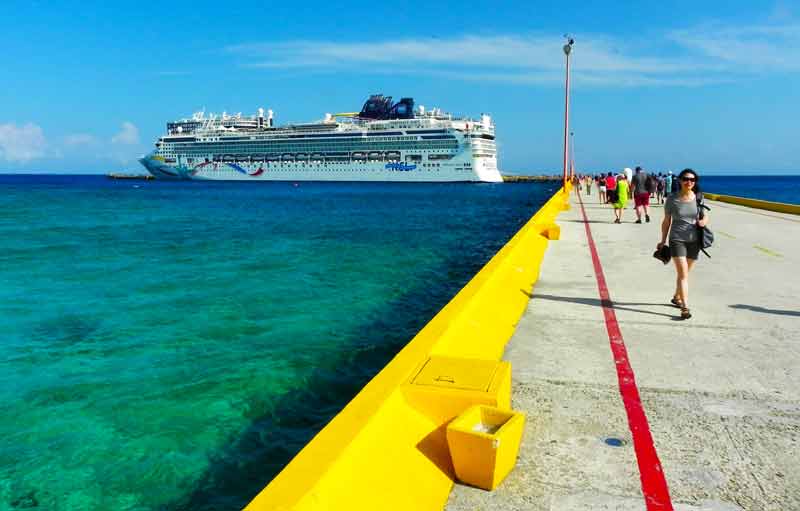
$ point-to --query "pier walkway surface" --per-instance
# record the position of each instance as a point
(720, 392)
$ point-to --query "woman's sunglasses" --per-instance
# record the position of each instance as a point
(689, 179)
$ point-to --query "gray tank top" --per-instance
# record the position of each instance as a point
(684, 219)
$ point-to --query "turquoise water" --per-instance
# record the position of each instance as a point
(173, 345)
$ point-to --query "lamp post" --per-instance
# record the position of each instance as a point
(567, 51)
(571, 155)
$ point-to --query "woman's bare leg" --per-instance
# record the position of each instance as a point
(682, 281)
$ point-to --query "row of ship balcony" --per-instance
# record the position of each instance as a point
(374, 156)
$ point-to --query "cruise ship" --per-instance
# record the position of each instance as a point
(385, 141)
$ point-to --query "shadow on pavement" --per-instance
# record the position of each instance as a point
(599, 303)
(756, 308)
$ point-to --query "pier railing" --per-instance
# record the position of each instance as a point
(385, 451)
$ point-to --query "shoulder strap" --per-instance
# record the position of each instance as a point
(701, 203)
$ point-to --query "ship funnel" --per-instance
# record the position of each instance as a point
(269, 117)
(260, 117)
(328, 118)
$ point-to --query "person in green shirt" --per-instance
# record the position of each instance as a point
(622, 197)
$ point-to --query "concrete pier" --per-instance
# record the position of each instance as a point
(720, 391)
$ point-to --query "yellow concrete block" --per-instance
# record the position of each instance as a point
(484, 442)
(443, 387)
(551, 231)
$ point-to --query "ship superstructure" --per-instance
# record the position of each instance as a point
(385, 141)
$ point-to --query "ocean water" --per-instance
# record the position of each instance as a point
(171, 346)
(770, 188)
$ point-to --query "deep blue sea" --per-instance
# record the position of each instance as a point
(770, 188)
(171, 345)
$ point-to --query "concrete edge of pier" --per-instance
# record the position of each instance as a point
(630, 408)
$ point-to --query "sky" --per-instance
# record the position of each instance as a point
(87, 87)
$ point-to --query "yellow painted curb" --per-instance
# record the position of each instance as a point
(387, 448)
(779, 207)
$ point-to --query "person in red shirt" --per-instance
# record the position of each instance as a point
(611, 188)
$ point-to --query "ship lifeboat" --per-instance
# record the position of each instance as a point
(258, 157)
(393, 155)
(375, 156)
(359, 156)
(272, 158)
(228, 158)
(287, 157)
(241, 158)
(317, 157)
(301, 157)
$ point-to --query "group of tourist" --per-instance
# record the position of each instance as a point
(683, 214)
(639, 186)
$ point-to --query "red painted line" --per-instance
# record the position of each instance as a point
(654, 485)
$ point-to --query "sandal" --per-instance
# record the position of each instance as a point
(676, 302)
(685, 314)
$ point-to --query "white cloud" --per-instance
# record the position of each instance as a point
(679, 58)
(78, 139)
(21, 143)
(750, 49)
(128, 135)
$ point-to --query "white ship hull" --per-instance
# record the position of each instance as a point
(483, 170)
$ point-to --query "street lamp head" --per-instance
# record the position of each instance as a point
(568, 46)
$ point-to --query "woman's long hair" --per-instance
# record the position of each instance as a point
(696, 186)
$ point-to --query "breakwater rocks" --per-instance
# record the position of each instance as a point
(527, 179)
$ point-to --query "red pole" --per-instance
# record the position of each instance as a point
(567, 50)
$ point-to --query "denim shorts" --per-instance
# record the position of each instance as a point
(687, 249)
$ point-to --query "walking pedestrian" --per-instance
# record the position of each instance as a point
(675, 187)
(641, 194)
(622, 197)
(682, 216)
(660, 188)
(629, 175)
(668, 184)
(588, 180)
(601, 186)
(611, 188)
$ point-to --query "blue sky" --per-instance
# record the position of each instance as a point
(88, 86)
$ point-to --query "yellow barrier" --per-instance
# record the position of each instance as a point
(780, 207)
(387, 448)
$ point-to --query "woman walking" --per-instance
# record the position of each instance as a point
(681, 219)
(601, 187)
(622, 197)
